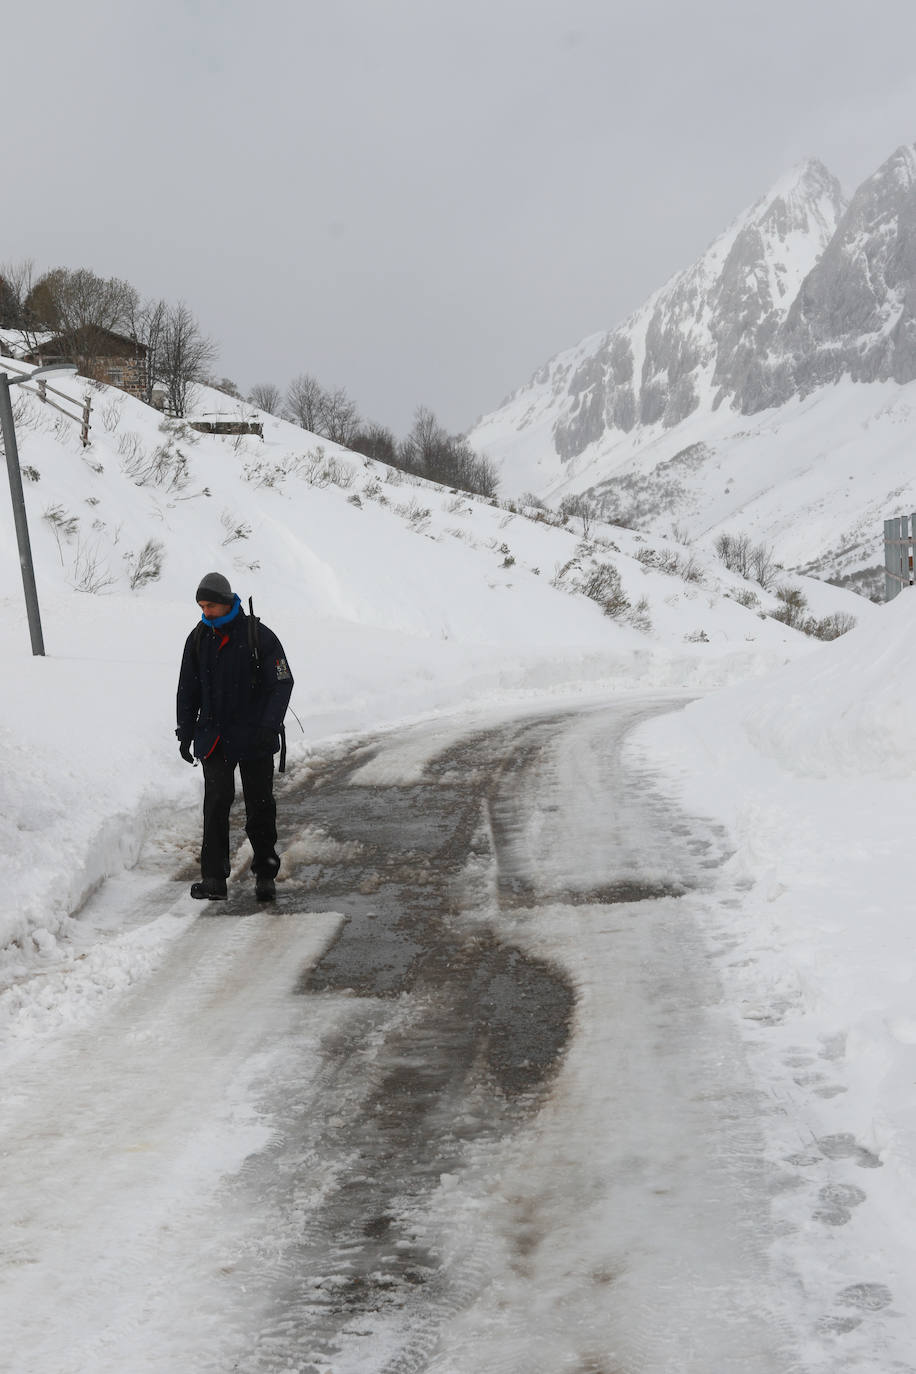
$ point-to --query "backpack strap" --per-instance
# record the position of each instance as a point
(254, 646)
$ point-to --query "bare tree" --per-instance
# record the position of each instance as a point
(417, 451)
(147, 326)
(267, 397)
(9, 306)
(305, 402)
(81, 308)
(75, 301)
(226, 385)
(375, 441)
(339, 417)
(16, 282)
(185, 356)
(430, 451)
(582, 507)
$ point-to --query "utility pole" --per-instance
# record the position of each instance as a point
(19, 515)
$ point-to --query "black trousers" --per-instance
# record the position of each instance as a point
(260, 814)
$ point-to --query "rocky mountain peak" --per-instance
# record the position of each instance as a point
(700, 336)
(855, 312)
(800, 291)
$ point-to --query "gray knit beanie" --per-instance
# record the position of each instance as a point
(215, 587)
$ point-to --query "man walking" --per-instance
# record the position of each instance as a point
(233, 691)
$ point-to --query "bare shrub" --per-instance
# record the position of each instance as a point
(165, 467)
(602, 584)
(145, 566)
(831, 626)
(735, 552)
(235, 528)
(111, 414)
(794, 603)
(263, 474)
(763, 564)
(601, 541)
(320, 469)
(639, 616)
(64, 526)
(756, 562)
(416, 515)
(130, 445)
(90, 572)
(581, 507)
(689, 569)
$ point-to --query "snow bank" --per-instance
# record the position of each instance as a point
(811, 769)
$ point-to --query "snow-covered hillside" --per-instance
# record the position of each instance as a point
(393, 598)
(713, 405)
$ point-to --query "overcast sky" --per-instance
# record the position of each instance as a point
(423, 201)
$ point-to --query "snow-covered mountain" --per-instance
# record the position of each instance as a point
(800, 292)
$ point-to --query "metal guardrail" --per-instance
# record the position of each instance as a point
(41, 388)
(899, 539)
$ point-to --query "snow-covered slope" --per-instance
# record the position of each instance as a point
(392, 598)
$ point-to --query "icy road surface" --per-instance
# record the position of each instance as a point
(467, 1099)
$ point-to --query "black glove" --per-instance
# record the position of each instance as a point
(184, 749)
(265, 740)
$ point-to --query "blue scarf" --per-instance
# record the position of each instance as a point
(224, 619)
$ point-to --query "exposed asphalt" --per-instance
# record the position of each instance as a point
(456, 1039)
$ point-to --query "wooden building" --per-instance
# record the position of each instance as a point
(97, 353)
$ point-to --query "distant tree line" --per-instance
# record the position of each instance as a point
(81, 308)
(428, 450)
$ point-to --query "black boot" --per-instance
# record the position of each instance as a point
(209, 890)
(265, 889)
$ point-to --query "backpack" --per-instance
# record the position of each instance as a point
(254, 650)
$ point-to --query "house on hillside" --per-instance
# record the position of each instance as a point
(100, 354)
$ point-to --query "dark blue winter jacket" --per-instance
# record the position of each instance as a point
(223, 699)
